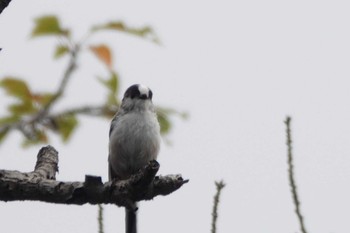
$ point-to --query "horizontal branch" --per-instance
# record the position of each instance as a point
(40, 185)
(29, 125)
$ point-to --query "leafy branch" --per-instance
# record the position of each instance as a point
(32, 112)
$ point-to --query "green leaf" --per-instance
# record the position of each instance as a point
(16, 87)
(112, 85)
(66, 126)
(48, 25)
(9, 119)
(3, 134)
(60, 51)
(143, 32)
(164, 122)
(21, 108)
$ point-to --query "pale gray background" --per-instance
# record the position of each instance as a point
(238, 68)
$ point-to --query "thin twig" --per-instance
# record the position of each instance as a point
(89, 110)
(219, 186)
(291, 177)
(66, 77)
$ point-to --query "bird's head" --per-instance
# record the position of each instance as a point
(138, 91)
(137, 96)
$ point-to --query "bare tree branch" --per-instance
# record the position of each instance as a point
(40, 185)
(291, 177)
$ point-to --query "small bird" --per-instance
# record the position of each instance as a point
(134, 139)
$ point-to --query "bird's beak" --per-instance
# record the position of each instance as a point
(143, 96)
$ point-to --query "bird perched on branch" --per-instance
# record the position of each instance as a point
(134, 139)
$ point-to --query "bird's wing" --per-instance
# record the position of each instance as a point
(113, 122)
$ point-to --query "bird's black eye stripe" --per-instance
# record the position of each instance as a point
(150, 94)
(132, 91)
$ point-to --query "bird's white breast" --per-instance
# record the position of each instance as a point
(134, 142)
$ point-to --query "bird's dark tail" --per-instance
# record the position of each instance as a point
(131, 220)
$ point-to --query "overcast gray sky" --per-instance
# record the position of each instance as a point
(238, 68)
